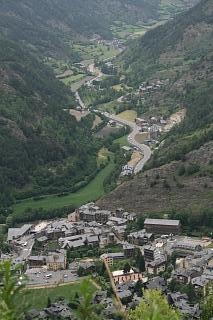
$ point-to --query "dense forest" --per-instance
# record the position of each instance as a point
(43, 148)
(51, 26)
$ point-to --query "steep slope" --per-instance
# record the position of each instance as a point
(181, 51)
(187, 37)
(43, 149)
(178, 187)
(50, 25)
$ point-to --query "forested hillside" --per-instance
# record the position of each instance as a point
(43, 149)
(182, 52)
(50, 25)
(180, 171)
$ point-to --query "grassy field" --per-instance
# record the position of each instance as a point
(122, 141)
(3, 229)
(102, 155)
(92, 191)
(109, 106)
(95, 51)
(118, 87)
(125, 31)
(128, 115)
(74, 78)
(38, 298)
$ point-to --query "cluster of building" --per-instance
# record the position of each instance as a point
(152, 126)
(127, 170)
(115, 43)
(89, 227)
(146, 88)
(86, 226)
(158, 241)
(53, 260)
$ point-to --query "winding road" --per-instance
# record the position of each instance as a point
(131, 139)
(134, 128)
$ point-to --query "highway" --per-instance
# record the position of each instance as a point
(131, 139)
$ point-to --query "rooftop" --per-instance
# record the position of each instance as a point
(118, 273)
(14, 233)
(166, 222)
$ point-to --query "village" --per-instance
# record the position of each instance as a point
(110, 246)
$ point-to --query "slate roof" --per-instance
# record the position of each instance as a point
(14, 233)
(162, 222)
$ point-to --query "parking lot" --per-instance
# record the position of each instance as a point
(42, 276)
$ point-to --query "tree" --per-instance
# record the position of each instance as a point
(207, 308)
(154, 307)
(140, 262)
(191, 293)
(9, 221)
(139, 288)
(81, 272)
(48, 302)
(127, 268)
(83, 304)
(9, 292)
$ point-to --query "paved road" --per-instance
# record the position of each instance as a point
(78, 98)
(25, 252)
(97, 75)
(131, 139)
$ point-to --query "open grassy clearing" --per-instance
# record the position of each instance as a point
(38, 298)
(103, 155)
(74, 78)
(106, 131)
(95, 51)
(3, 229)
(118, 87)
(92, 191)
(127, 31)
(109, 106)
(124, 31)
(128, 115)
(122, 141)
(59, 66)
